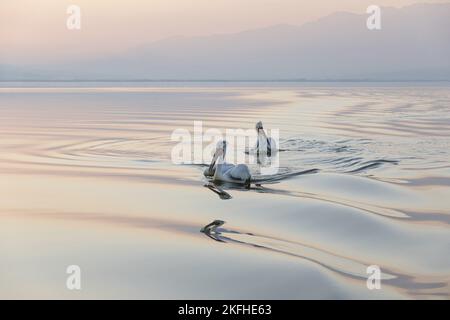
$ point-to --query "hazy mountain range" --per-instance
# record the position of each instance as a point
(413, 44)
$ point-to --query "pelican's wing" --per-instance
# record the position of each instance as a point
(240, 172)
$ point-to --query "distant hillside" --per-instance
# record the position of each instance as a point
(414, 43)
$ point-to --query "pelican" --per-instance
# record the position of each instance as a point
(227, 172)
(264, 145)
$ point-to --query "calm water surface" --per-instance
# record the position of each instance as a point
(86, 178)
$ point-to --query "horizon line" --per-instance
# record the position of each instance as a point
(225, 80)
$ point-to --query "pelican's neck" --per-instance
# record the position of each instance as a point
(221, 159)
(264, 144)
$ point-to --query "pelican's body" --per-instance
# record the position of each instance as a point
(264, 145)
(221, 171)
(227, 172)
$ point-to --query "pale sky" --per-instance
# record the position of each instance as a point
(38, 27)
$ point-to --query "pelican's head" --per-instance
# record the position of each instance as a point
(259, 126)
(221, 149)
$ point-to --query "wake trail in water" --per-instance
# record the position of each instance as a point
(282, 176)
(372, 165)
(341, 156)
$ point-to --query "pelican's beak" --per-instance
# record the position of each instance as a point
(213, 161)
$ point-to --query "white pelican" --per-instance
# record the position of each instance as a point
(264, 145)
(227, 172)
